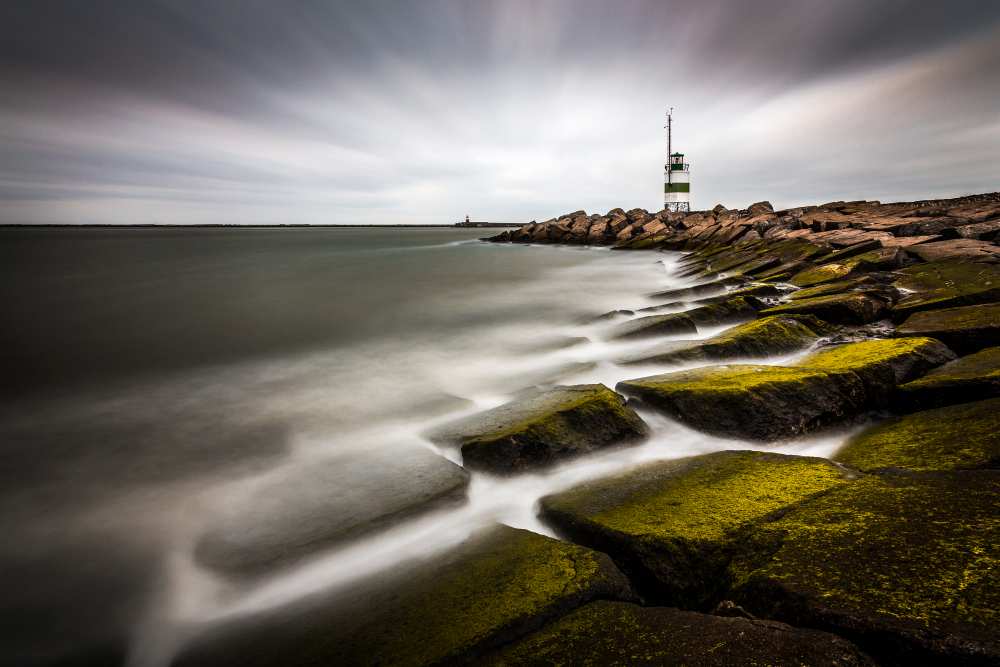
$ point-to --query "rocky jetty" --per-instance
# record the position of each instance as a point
(887, 320)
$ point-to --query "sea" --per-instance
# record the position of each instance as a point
(154, 377)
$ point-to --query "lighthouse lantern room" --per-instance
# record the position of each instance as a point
(676, 175)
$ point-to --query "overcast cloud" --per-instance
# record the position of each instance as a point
(251, 111)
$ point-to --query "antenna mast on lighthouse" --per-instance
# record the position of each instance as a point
(677, 174)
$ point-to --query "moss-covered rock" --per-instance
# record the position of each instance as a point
(752, 402)
(314, 506)
(970, 378)
(951, 438)
(759, 338)
(902, 564)
(945, 284)
(832, 288)
(836, 268)
(655, 325)
(454, 607)
(882, 364)
(618, 634)
(673, 526)
(731, 309)
(772, 402)
(843, 308)
(542, 428)
(703, 289)
(821, 274)
(965, 329)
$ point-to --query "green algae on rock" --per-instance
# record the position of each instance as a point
(965, 329)
(772, 402)
(752, 402)
(759, 338)
(732, 309)
(902, 564)
(619, 634)
(832, 288)
(494, 588)
(956, 437)
(541, 428)
(970, 378)
(881, 363)
(842, 308)
(357, 496)
(672, 525)
(945, 284)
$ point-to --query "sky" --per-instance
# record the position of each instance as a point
(371, 112)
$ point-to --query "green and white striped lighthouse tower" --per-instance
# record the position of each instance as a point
(676, 175)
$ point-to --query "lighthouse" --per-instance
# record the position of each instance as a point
(676, 175)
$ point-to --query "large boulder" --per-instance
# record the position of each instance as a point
(945, 285)
(963, 250)
(838, 287)
(672, 526)
(773, 402)
(454, 607)
(618, 634)
(965, 329)
(970, 378)
(902, 564)
(759, 338)
(844, 308)
(314, 506)
(542, 428)
(951, 438)
(733, 309)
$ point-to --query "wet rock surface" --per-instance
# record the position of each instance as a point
(621, 634)
(541, 428)
(976, 376)
(773, 402)
(902, 564)
(674, 526)
(348, 496)
(965, 329)
(454, 607)
(957, 437)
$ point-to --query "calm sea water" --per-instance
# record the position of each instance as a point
(151, 375)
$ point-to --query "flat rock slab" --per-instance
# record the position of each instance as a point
(965, 329)
(673, 525)
(618, 634)
(966, 250)
(759, 338)
(945, 285)
(732, 309)
(655, 325)
(956, 437)
(970, 378)
(542, 428)
(454, 607)
(773, 402)
(315, 506)
(837, 287)
(844, 308)
(902, 564)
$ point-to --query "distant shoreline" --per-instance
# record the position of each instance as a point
(214, 226)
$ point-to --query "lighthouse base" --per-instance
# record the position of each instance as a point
(678, 206)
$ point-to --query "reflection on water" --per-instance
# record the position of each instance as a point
(167, 375)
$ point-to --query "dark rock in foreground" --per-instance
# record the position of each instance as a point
(617, 634)
(956, 437)
(673, 526)
(965, 329)
(970, 378)
(772, 402)
(454, 607)
(542, 428)
(317, 505)
(904, 565)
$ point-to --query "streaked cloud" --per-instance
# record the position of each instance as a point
(422, 112)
